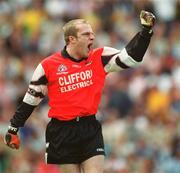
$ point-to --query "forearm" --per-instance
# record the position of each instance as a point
(138, 45)
(21, 115)
(135, 50)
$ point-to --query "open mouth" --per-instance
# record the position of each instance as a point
(90, 46)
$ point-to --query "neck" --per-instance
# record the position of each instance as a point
(72, 52)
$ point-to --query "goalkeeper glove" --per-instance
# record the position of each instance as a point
(147, 19)
(11, 138)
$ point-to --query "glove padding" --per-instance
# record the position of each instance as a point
(147, 19)
(11, 138)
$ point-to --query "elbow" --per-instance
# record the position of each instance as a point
(124, 60)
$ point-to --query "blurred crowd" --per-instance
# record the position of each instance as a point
(140, 107)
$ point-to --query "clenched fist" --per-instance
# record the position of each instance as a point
(147, 19)
(11, 138)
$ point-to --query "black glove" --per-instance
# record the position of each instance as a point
(11, 138)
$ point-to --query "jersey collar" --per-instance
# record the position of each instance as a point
(65, 54)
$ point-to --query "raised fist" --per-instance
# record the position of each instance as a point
(147, 19)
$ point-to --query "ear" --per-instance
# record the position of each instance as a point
(72, 39)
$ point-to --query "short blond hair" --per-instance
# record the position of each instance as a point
(70, 28)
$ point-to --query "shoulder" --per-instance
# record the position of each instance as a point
(96, 51)
(51, 57)
(52, 60)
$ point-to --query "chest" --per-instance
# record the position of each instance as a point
(71, 72)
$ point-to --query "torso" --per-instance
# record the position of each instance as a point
(74, 88)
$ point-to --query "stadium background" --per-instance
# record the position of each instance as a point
(140, 108)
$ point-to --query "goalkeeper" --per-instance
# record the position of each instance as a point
(73, 78)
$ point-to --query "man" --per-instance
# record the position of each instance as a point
(74, 79)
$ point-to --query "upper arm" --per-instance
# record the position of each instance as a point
(37, 87)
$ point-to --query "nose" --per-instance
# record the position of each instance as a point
(92, 37)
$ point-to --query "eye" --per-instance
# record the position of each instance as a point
(88, 33)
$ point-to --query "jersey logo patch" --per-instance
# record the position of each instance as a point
(62, 68)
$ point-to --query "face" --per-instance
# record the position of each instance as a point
(84, 40)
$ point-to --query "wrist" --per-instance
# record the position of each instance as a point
(146, 31)
(13, 130)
